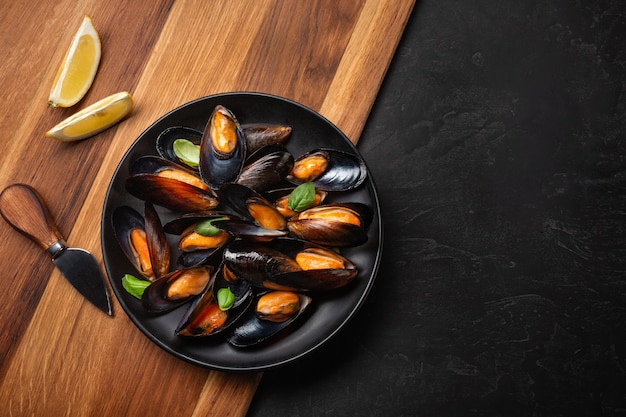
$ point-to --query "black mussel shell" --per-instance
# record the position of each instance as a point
(183, 225)
(165, 142)
(156, 298)
(124, 220)
(170, 193)
(239, 198)
(146, 184)
(332, 232)
(151, 164)
(252, 330)
(280, 198)
(204, 318)
(245, 228)
(256, 262)
(266, 168)
(179, 224)
(273, 265)
(220, 166)
(157, 242)
(345, 171)
(259, 135)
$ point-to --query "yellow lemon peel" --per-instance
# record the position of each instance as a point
(94, 118)
(79, 67)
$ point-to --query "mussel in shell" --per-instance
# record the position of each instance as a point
(273, 312)
(257, 216)
(176, 288)
(281, 197)
(289, 264)
(165, 142)
(169, 185)
(223, 148)
(142, 240)
(266, 168)
(199, 240)
(259, 135)
(204, 317)
(329, 169)
(336, 225)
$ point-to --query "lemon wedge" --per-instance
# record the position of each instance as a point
(79, 67)
(94, 118)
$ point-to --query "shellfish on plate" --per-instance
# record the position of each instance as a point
(315, 327)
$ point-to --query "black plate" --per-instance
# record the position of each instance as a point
(328, 314)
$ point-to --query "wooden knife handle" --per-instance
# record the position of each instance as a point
(25, 210)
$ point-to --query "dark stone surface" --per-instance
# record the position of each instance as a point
(498, 146)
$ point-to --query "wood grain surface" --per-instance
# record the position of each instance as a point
(59, 355)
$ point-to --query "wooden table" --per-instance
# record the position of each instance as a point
(59, 355)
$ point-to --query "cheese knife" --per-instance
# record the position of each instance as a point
(25, 210)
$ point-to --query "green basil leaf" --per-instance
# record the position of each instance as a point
(187, 152)
(302, 197)
(134, 286)
(206, 228)
(225, 298)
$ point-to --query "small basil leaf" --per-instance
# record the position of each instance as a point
(134, 286)
(206, 228)
(225, 298)
(302, 197)
(187, 152)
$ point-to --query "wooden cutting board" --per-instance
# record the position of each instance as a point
(58, 354)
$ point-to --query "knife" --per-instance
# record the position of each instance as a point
(24, 209)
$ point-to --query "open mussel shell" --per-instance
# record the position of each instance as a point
(266, 168)
(175, 289)
(256, 327)
(253, 214)
(167, 184)
(336, 225)
(329, 169)
(165, 142)
(259, 135)
(194, 248)
(204, 316)
(277, 265)
(148, 251)
(280, 198)
(223, 148)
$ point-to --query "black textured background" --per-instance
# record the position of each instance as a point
(497, 145)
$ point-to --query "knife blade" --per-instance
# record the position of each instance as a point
(24, 209)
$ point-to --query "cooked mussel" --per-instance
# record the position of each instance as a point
(169, 185)
(278, 306)
(199, 240)
(259, 135)
(176, 288)
(165, 143)
(329, 169)
(257, 216)
(289, 264)
(196, 232)
(273, 312)
(337, 225)
(281, 198)
(223, 148)
(266, 168)
(142, 240)
(204, 317)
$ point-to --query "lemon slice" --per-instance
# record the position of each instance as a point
(94, 118)
(78, 68)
